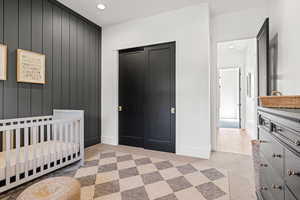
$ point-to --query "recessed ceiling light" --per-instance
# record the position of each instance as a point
(101, 6)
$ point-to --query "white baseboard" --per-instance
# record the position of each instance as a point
(203, 153)
(109, 140)
(195, 152)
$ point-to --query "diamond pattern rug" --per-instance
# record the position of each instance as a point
(122, 176)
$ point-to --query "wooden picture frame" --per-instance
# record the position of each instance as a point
(3, 62)
(31, 67)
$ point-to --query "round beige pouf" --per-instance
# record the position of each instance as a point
(60, 188)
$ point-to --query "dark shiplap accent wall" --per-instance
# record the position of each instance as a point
(72, 46)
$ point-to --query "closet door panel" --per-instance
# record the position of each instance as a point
(160, 98)
(131, 98)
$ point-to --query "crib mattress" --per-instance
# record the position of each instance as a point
(38, 155)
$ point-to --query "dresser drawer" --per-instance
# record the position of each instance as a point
(288, 195)
(272, 151)
(287, 135)
(272, 185)
(265, 123)
(292, 174)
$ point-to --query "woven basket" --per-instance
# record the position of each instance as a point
(280, 101)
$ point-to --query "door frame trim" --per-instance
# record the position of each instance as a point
(264, 29)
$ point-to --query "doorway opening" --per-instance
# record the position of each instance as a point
(237, 71)
(230, 96)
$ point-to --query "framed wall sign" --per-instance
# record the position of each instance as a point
(30, 67)
(3, 62)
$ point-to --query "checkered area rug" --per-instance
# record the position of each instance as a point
(122, 176)
(114, 175)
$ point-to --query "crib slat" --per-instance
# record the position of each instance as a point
(76, 138)
(72, 139)
(55, 143)
(81, 146)
(7, 158)
(66, 141)
(61, 125)
(42, 141)
(18, 154)
(69, 147)
(26, 146)
(31, 135)
(34, 148)
(3, 140)
(48, 150)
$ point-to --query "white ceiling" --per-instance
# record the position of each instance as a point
(226, 6)
(118, 11)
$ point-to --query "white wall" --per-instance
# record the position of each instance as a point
(189, 27)
(251, 102)
(228, 58)
(227, 27)
(284, 20)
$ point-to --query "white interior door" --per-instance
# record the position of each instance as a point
(230, 93)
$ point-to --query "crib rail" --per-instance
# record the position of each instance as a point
(32, 147)
(18, 121)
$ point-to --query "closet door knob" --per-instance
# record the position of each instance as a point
(120, 108)
(173, 111)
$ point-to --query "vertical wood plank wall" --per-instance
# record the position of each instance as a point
(72, 46)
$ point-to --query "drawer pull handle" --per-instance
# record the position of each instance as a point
(262, 141)
(279, 130)
(263, 188)
(277, 187)
(297, 142)
(293, 173)
(266, 123)
(276, 155)
(264, 165)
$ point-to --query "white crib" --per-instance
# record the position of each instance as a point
(35, 146)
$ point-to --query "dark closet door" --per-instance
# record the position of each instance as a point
(160, 98)
(263, 60)
(131, 97)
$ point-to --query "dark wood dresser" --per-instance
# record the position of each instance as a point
(279, 168)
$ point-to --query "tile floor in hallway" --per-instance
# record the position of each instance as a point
(234, 141)
(126, 173)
